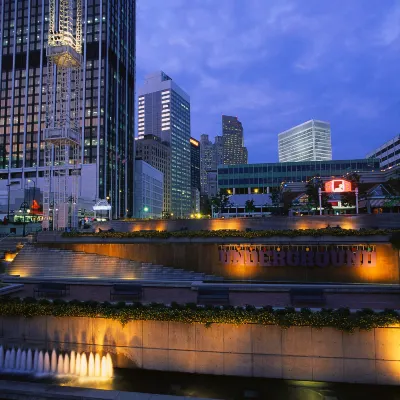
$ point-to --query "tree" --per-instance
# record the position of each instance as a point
(392, 198)
(276, 194)
(349, 198)
(220, 201)
(249, 206)
(312, 192)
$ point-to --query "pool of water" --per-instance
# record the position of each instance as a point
(221, 387)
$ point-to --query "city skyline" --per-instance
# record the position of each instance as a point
(288, 63)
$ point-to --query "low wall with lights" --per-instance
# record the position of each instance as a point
(301, 259)
(301, 353)
(381, 221)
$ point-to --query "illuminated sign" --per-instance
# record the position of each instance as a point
(194, 142)
(338, 186)
(308, 257)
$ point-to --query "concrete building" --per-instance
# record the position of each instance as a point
(212, 183)
(195, 175)
(108, 101)
(207, 160)
(164, 111)
(310, 141)
(149, 191)
(234, 151)
(259, 178)
(388, 154)
(152, 150)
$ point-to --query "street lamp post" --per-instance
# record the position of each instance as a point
(12, 183)
(25, 210)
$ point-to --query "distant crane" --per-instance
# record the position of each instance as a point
(62, 135)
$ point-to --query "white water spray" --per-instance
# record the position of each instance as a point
(58, 364)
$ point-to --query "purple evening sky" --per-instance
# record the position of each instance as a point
(277, 63)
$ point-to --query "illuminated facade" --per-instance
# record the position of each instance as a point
(234, 151)
(259, 178)
(149, 148)
(149, 191)
(388, 154)
(195, 175)
(310, 141)
(108, 77)
(164, 111)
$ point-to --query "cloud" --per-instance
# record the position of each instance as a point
(390, 29)
(277, 63)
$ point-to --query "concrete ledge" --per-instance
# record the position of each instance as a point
(11, 288)
(38, 391)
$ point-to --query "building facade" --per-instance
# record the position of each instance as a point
(108, 81)
(388, 154)
(207, 160)
(259, 178)
(164, 111)
(195, 186)
(234, 151)
(149, 191)
(310, 141)
(152, 150)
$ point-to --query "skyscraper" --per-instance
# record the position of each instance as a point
(310, 141)
(108, 79)
(164, 111)
(195, 175)
(207, 160)
(234, 151)
(151, 149)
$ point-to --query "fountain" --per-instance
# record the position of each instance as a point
(57, 364)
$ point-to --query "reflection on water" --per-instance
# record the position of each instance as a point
(220, 387)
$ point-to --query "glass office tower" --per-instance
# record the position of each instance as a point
(310, 141)
(108, 80)
(164, 111)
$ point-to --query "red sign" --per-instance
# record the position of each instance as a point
(338, 186)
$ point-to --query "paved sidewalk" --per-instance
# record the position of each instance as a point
(38, 391)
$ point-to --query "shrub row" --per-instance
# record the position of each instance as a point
(227, 233)
(341, 319)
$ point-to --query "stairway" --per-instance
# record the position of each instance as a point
(46, 263)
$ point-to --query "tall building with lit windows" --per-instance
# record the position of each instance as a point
(108, 103)
(233, 150)
(164, 111)
(310, 141)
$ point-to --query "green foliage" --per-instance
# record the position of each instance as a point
(341, 319)
(220, 201)
(312, 188)
(231, 233)
(349, 198)
(249, 206)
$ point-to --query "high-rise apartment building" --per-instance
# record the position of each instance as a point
(388, 154)
(153, 151)
(108, 82)
(195, 175)
(310, 141)
(234, 151)
(164, 111)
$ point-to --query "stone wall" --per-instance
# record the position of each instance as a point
(390, 220)
(299, 353)
(204, 257)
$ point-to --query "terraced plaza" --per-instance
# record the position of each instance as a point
(312, 304)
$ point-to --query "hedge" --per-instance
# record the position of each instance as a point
(341, 319)
(227, 233)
